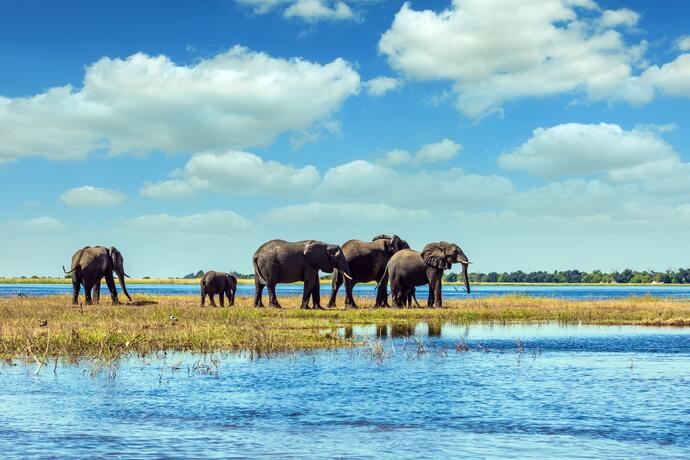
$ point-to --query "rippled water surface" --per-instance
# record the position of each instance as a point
(410, 392)
(368, 290)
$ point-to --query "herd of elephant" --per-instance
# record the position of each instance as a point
(383, 259)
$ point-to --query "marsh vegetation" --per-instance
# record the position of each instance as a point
(39, 328)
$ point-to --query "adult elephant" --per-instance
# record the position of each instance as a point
(367, 262)
(408, 269)
(90, 265)
(279, 261)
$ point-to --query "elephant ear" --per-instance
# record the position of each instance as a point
(396, 244)
(316, 255)
(434, 255)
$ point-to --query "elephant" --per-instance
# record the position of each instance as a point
(223, 284)
(367, 262)
(279, 261)
(89, 265)
(408, 269)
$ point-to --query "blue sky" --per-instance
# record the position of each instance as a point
(544, 134)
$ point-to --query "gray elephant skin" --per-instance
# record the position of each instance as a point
(367, 261)
(279, 261)
(89, 266)
(223, 284)
(408, 269)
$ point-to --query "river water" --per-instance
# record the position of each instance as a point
(367, 290)
(548, 391)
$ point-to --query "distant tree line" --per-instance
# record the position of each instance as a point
(680, 276)
(200, 273)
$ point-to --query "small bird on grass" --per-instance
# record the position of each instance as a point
(172, 317)
(44, 323)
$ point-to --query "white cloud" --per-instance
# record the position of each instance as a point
(552, 47)
(364, 181)
(344, 212)
(683, 43)
(396, 157)
(575, 149)
(381, 85)
(237, 98)
(315, 10)
(237, 172)
(211, 222)
(436, 152)
(307, 10)
(671, 79)
(35, 225)
(92, 197)
(622, 17)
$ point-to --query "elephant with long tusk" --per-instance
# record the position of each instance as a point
(89, 266)
(279, 261)
(408, 269)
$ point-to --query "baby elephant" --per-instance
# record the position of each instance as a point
(223, 284)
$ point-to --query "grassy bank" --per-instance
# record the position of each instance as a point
(323, 281)
(44, 327)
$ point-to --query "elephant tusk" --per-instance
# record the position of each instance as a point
(347, 276)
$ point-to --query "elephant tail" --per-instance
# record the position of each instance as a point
(385, 272)
(414, 297)
(68, 272)
(257, 272)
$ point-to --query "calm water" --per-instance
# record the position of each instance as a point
(558, 392)
(449, 291)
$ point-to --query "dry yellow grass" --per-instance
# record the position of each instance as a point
(43, 327)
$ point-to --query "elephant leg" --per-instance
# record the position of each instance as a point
(438, 300)
(259, 289)
(96, 292)
(231, 299)
(221, 295)
(272, 297)
(382, 293)
(350, 300)
(76, 285)
(210, 297)
(308, 288)
(88, 287)
(203, 296)
(316, 295)
(430, 298)
(335, 286)
(110, 281)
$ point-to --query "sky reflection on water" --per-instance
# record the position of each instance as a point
(573, 392)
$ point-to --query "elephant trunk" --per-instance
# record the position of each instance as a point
(344, 268)
(121, 276)
(464, 275)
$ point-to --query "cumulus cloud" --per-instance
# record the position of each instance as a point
(210, 222)
(575, 149)
(345, 212)
(36, 225)
(364, 181)
(88, 196)
(235, 99)
(554, 47)
(237, 172)
(381, 85)
(436, 152)
(307, 10)
(683, 43)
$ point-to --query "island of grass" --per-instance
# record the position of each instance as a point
(39, 328)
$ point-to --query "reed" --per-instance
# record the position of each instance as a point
(41, 328)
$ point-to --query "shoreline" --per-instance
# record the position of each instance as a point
(325, 281)
(50, 327)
